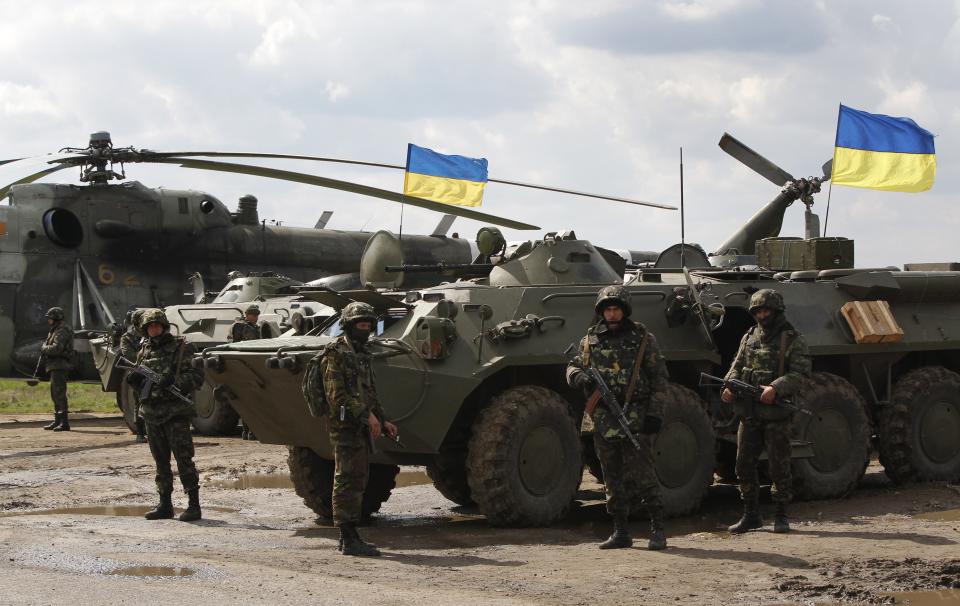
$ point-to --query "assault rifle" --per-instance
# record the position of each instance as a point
(603, 393)
(748, 392)
(150, 378)
(34, 380)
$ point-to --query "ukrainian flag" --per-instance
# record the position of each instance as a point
(881, 152)
(441, 178)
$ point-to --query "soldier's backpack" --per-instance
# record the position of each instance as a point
(312, 387)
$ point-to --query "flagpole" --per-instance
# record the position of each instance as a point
(683, 244)
(826, 219)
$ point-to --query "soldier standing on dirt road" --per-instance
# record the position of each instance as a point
(130, 343)
(247, 329)
(168, 417)
(57, 352)
(627, 356)
(355, 418)
(772, 355)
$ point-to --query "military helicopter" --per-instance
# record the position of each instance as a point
(99, 248)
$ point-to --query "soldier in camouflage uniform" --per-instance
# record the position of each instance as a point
(167, 417)
(772, 355)
(57, 352)
(627, 356)
(247, 329)
(130, 342)
(355, 417)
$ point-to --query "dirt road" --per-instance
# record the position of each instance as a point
(261, 546)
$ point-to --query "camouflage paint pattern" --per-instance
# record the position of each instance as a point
(173, 436)
(628, 473)
(244, 331)
(58, 347)
(58, 390)
(169, 356)
(130, 343)
(752, 436)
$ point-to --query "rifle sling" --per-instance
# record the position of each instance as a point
(636, 369)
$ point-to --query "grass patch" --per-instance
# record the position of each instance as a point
(18, 397)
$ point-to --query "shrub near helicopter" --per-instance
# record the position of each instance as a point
(98, 249)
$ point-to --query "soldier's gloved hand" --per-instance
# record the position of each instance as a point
(582, 380)
(165, 381)
(134, 380)
(651, 424)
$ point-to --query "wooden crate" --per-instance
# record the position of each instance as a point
(872, 322)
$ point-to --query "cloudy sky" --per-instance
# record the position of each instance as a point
(594, 96)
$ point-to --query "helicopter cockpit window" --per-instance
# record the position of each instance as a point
(183, 206)
(63, 227)
(206, 207)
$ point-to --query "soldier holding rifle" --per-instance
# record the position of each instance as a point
(773, 356)
(623, 355)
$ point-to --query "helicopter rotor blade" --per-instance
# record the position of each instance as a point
(754, 161)
(828, 169)
(147, 155)
(31, 178)
(365, 190)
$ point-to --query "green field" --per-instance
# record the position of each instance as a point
(18, 397)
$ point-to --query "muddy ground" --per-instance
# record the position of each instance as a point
(261, 546)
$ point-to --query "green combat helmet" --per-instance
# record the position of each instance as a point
(767, 297)
(55, 313)
(252, 310)
(357, 312)
(154, 315)
(613, 295)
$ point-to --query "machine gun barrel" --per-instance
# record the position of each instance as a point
(150, 378)
(742, 389)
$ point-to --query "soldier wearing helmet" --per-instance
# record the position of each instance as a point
(57, 354)
(130, 343)
(772, 355)
(346, 383)
(626, 354)
(167, 417)
(247, 328)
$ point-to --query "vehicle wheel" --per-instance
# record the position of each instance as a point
(449, 474)
(126, 401)
(312, 478)
(684, 451)
(215, 416)
(920, 428)
(523, 458)
(839, 432)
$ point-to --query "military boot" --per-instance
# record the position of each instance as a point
(658, 537)
(192, 512)
(55, 423)
(620, 539)
(163, 511)
(353, 545)
(64, 423)
(781, 524)
(751, 518)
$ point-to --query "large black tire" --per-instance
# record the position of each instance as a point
(684, 451)
(839, 432)
(312, 478)
(215, 416)
(126, 401)
(449, 474)
(523, 459)
(919, 437)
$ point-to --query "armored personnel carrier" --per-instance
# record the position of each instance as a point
(207, 324)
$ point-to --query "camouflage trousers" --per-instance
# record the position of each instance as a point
(352, 459)
(173, 436)
(628, 473)
(752, 436)
(58, 390)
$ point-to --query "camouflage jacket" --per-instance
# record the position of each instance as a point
(169, 356)
(349, 385)
(58, 348)
(130, 343)
(614, 355)
(244, 331)
(758, 363)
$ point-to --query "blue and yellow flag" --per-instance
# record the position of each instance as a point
(881, 152)
(441, 178)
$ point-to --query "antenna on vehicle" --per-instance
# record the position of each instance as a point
(683, 243)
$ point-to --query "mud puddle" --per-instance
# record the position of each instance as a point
(249, 481)
(948, 515)
(940, 597)
(153, 571)
(104, 510)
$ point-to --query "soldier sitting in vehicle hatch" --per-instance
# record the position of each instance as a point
(247, 329)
